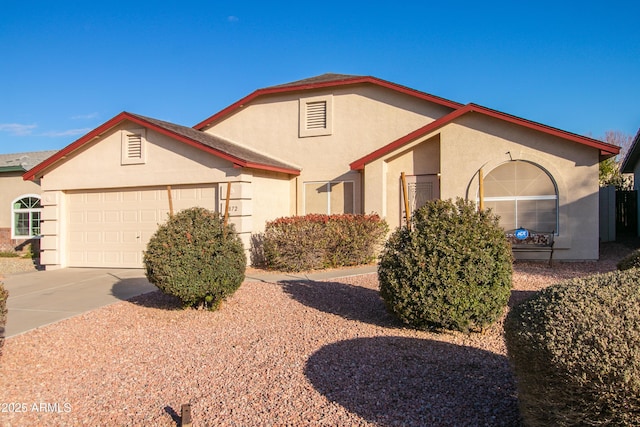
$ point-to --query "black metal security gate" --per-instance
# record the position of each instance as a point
(627, 212)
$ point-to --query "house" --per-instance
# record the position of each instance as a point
(20, 200)
(631, 165)
(329, 144)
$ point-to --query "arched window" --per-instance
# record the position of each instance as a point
(25, 218)
(524, 195)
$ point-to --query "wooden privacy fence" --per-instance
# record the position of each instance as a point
(626, 212)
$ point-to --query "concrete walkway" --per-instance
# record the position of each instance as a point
(40, 298)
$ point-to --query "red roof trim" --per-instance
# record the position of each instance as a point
(333, 83)
(233, 159)
(360, 163)
(31, 174)
(606, 150)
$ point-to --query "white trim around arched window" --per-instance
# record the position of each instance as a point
(26, 213)
(523, 194)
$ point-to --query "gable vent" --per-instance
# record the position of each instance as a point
(134, 146)
(317, 115)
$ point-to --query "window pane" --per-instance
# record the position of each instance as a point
(419, 194)
(316, 198)
(22, 224)
(506, 210)
(34, 203)
(501, 181)
(35, 223)
(26, 217)
(515, 180)
(539, 215)
(342, 198)
(532, 181)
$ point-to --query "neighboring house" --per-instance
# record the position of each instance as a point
(19, 200)
(631, 164)
(328, 144)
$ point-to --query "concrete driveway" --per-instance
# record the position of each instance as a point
(43, 297)
(40, 298)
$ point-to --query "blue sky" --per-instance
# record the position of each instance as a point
(68, 66)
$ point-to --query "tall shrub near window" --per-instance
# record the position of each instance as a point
(450, 270)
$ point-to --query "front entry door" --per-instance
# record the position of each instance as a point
(420, 189)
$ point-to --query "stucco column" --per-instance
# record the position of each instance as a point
(240, 208)
(52, 241)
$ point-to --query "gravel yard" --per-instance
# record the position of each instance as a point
(289, 353)
(13, 265)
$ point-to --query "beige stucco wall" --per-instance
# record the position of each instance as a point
(271, 197)
(476, 141)
(364, 119)
(420, 159)
(12, 186)
(168, 162)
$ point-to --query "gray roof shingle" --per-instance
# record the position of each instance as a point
(23, 161)
(219, 144)
(323, 78)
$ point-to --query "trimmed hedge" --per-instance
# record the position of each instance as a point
(630, 261)
(575, 349)
(451, 270)
(313, 242)
(3, 313)
(195, 258)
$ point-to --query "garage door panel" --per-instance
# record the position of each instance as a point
(76, 217)
(147, 216)
(112, 257)
(93, 197)
(112, 196)
(131, 257)
(111, 216)
(130, 237)
(94, 217)
(111, 228)
(93, 237)
(112, 237)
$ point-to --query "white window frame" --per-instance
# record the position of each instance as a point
(30, 211)
(328, 184)
(516, 199)
(137, 160)
(304, 130)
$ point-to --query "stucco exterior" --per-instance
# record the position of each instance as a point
(475, 142)
(330, 144)
(13, 188)
(364, 119)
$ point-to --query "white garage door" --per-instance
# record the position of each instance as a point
(111, 228)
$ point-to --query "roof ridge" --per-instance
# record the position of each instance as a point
(321, 82)
(322, 78)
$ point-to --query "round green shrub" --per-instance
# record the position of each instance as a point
(575, 349)
(451, 270)
(196, 258)
(630, 261)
